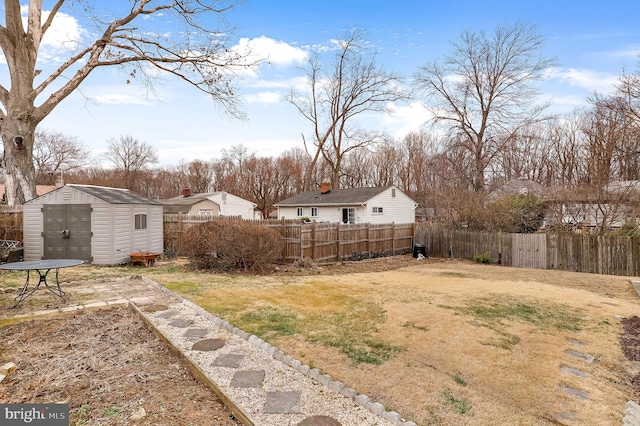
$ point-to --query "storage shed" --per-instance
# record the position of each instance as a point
(96, 224)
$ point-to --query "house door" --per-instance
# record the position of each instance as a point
(348, 215)
(67, 231)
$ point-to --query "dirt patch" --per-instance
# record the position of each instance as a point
(107, 365)
(630, 343)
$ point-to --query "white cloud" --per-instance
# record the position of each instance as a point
(264, 98)
(403, 119)
(121, 98)
(588, 79)
(65, 33)
(273, 51)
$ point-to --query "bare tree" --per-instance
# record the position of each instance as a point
(130, 157)
(197, 175)
(350, 85)
(483, 93)
(56, 153)
(196, 53)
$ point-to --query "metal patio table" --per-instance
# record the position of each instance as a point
(42, 267)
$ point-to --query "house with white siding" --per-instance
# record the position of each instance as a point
(213, 204)
(97, 224)
(386, 204)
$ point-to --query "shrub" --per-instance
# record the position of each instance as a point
(232, 245)
(483, 258)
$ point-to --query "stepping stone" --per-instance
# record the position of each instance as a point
(320, 421)
(565, 416)
(575, 342)
(282, 403)
(208, 345)
(228, 360)
(574, 371)
(196, 332)
(586, 357)
(247, 379)
(168, 314)
(575, 392)
(181, 323)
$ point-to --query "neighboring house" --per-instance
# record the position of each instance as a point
(356, 205)
(516, 187)
(96, 224)
(211, 204)
(616, 204)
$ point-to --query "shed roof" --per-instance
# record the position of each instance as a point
(113, 195)
(348, 196)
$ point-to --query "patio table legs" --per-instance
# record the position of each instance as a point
(42, 273)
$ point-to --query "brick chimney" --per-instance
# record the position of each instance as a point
(186, 192)
(325, 187)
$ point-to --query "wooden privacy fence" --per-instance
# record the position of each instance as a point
(565, 252)
(331, 242)
(320, 242)
(11, 224)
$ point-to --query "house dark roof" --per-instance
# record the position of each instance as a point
(114, 195)
(334, 197)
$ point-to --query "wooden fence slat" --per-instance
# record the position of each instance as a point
(566, 252)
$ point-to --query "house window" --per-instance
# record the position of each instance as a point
(314, 212)
(206, 212)
(140, 221)
(393, 192)
(300, 212)
(377, 210)
(349, 215)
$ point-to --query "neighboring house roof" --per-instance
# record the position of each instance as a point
(349, 196)
(111, 195)
(183, 204)
(515, 187)
(623, 186)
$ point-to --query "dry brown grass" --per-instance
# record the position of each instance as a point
(454, 367)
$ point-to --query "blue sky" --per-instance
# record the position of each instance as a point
(592, 42)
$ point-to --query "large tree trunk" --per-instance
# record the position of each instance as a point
(19, 171)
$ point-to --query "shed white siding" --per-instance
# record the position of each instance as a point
(102, 241)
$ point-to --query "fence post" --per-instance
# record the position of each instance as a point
(393, 238)
(313, 240)
(180, 224)
(338, 244)
(369, 239)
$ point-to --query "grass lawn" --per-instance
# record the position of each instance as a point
(439, 341)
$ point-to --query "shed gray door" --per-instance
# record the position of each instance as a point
(67, 231)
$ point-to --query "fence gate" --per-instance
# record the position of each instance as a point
(529, 251)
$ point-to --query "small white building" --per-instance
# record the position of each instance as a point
(355, 205)
(212, 204)
(96, 224)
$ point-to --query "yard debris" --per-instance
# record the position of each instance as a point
(6, 370)
(138, 414)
